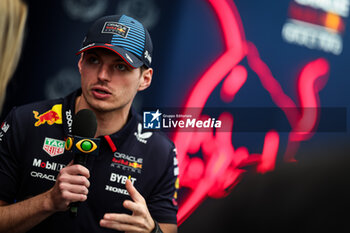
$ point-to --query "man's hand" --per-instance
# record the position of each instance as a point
(71, 186)
(139, 221)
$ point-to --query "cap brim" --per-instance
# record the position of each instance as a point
(127, 56)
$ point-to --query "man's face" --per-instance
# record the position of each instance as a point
(107, 82)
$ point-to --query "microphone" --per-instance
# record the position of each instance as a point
(82, 142)
(84, 123)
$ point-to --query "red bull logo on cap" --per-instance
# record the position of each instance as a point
(53, 116)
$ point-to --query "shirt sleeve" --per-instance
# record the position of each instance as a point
(8, 161)
(163, 202)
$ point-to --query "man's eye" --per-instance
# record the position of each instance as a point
(93, 60)
(120, 67)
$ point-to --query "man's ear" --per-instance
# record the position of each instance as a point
(146, 79)
(80, 62)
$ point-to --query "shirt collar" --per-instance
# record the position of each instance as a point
(68, 112)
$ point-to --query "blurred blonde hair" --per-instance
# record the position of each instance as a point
(13, 16)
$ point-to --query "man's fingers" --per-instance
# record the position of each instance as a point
(77, 189)
(139, 221)
(120, 222)
(133, 207)
(71, 186)
(74, 179)
(76, 169)
(122, 218)
(127, 223)
(134, 194)
(73, 197)
(119, 226)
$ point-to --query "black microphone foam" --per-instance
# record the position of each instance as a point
(84, 124)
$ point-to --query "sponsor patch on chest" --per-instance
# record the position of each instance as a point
(127, 162)
(53, 146)
(119, 180)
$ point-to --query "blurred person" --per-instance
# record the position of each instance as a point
(130, 186)
(13, 15)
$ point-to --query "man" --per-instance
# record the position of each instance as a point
(130, 186)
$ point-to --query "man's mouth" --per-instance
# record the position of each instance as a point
(101, 93)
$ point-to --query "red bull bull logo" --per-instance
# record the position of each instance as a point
(53, 116)
(135, 165)
(222, 163)
(121, 30)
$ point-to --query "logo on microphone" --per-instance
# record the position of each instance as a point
(152, 119)
(86, 145)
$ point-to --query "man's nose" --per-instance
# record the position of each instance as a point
(103, 73)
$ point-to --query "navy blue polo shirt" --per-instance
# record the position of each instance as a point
(32, 140)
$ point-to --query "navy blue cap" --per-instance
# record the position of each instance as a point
(123, 35)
